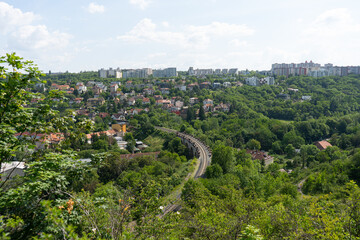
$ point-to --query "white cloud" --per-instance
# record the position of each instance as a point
(333, 22)
(141, 3)
(191, 36)
(157, 55)
(37, 37)
(20, 33)
(11, 17)
(332, 35)
(165, 24)
(95, 8)
(221, 29)
(238, 43)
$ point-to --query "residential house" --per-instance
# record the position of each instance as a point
(109, 133)
(283, 96)
(216, 85)
(93, 102)
(83, 112)
(261, 155)
(136, 111)
(227, 84)
(113, 88)
(293, 89)
(179, 104)
(222, 107)
(120, 128)
(205, 85)
(101, 85)
(183, 112)
(158, 97)
(208, 107)
(193, 100)
(81, 88)
(103, 114)
(322, 145)
(121, 95)
(165, 91)
(208, 101)
(129, 84)
(163, 102)
(192, 86)
(173, 99)
(131, 101)
(90, 83)
(9, 170)
(41, 140)
(181, 87)
(54, 138)
(55, 86)
(118, 117)
(78, 100)
(148, 91)
(146, 101)
(97, 90)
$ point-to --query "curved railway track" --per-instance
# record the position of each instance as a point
(203, 153)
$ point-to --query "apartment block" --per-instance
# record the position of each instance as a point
(165, 73)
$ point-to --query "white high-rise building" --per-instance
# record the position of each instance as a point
(233, 71)
(165, 73)
(252, 81)
(137, 73)
(269, 80)
(103, 73)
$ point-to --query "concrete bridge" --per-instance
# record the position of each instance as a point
(200, 150)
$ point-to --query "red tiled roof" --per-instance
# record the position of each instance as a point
(323, 145)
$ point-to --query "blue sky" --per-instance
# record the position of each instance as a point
(88, 35)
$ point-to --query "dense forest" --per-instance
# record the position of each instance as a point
(304, 193)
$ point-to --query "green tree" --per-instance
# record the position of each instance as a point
(202, 113)
(253, 144)
(292, 138)
(130, 142)
(191, 114)
(224, 157)
(290, 151)
(214, 171)
(14, 117)
(175, 145)
(276, 147)
(308, 153)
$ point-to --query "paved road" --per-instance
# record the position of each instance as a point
(203, 153)
(300, 185)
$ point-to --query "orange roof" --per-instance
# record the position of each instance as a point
(323, 144)
(107, 133)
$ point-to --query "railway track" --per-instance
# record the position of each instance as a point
(203, 153)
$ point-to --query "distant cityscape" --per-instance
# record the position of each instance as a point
(277, 69)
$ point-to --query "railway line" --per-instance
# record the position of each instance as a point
(202, 152)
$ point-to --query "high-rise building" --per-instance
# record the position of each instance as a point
(200, 72)
(252, 81)
(137, 73)
(165, 73)
(103, 73)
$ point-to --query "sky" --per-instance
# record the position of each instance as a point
(82, 35)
